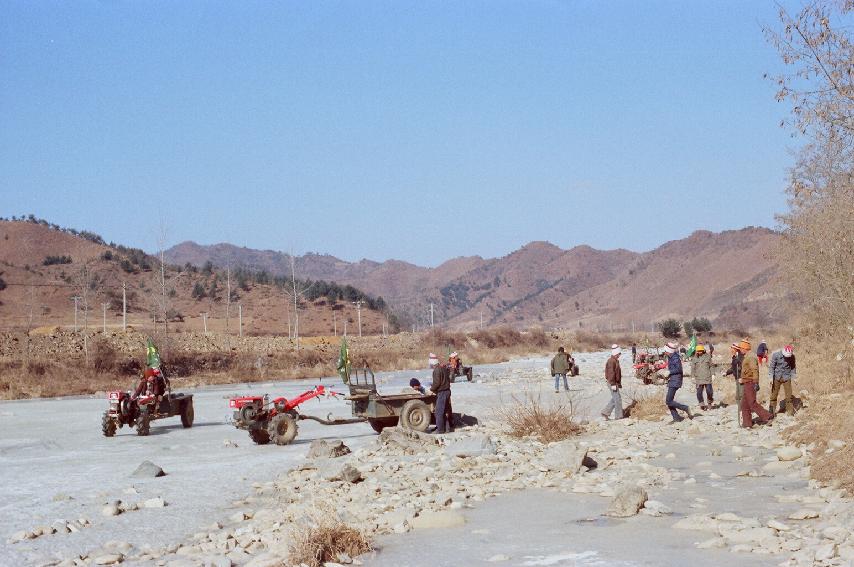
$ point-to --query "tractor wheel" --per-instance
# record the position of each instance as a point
(187, 413)
(379, 424)
(143, 423)
(282, 429)
(415, 415)
(108, 425)
(260, 436)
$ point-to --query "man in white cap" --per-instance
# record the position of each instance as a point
(614, 377)
(674, 382)
(782, 372)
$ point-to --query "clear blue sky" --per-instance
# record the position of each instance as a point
(418, 131)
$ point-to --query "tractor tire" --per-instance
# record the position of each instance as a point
(143, 423)
(187, 413)
(282, 429)
(108, 425)
(260, 436)
(379, 424)
(415, 415)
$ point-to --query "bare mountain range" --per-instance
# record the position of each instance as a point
(729, 277)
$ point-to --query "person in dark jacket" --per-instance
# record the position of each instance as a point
(614, 377)
(560, 366)
(674, 382)
(762, 352)
(634, 352)
(782, 372)
(415, 384)
(442, 388)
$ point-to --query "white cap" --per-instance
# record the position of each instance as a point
(615, 350)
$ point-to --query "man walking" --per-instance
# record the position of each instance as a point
(614, 377)
(735, 371)
(782, 372)
(674, 382)
(749, 379)
(560, 366)
(701, 371)
(442, 388)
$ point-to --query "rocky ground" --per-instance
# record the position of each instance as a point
(626, 492)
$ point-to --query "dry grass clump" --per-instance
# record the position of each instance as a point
(546, 421)
(646, 406)
(324, 539)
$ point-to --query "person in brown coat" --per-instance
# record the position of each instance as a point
(749, 378)
(614, 377)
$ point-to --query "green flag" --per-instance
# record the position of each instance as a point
(152, 355)
(344, 362)
(692, 347)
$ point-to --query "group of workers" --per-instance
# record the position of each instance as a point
(744, 367)
(443, 374)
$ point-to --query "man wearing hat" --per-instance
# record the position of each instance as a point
(674, 382)
(782, 372)
(735, 372)
(701, 371)
(614, 377)
(560, 366)
(749, 380)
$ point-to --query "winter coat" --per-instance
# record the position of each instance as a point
(749, 369)
(613, 372)
(735, 367)
(561, 363)
(762, 349)
(701, 369)
(674, 366)
(782, 367)
(441, 379)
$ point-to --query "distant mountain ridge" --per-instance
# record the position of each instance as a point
(730, 276)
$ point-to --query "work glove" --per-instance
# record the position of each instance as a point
(614, 387)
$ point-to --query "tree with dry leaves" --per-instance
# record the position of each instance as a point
(816, 47)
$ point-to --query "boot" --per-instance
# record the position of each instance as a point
(771, 408)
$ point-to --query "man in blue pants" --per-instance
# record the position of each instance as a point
(674, 382)
(442, 388)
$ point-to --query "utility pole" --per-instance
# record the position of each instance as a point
(76, 298)
(104, 308)
(240, 317)
(431, 314)
(124, 306)
(334, 324)
(205, 320)
(358, 305)
(228, 295)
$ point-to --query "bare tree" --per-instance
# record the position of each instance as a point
(296, 295)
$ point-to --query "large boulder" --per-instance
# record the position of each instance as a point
(564, 456)
(475, 446)
(346, 472)
(440, 519)
(147, 469)
(321, 448)
(789, 453)
(406, 441)
(627, 502)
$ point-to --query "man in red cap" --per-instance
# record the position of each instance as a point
(782, 371)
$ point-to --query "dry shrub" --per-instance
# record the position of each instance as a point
(547, 422)
(104, 356)
(323, 539)
(646, 406)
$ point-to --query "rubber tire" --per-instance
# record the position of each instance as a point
(415, 415)
(282, 429)
(143, 423)
(379, 424)
(187, 414)
(108, 425)
(260, 436)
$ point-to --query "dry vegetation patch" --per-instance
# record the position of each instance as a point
(323, 539)
(530, 416)
(646, 406)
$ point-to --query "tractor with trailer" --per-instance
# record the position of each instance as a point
(155, 401)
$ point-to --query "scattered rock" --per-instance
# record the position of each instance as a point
(499, 557)
(627, 502)
(111, 510)
(564, 456)
(147, 469)
(789, 453)
(157, 502)
(474, 446)
(803, 514)
(109, 559)
(336, 471)
(321, 448)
